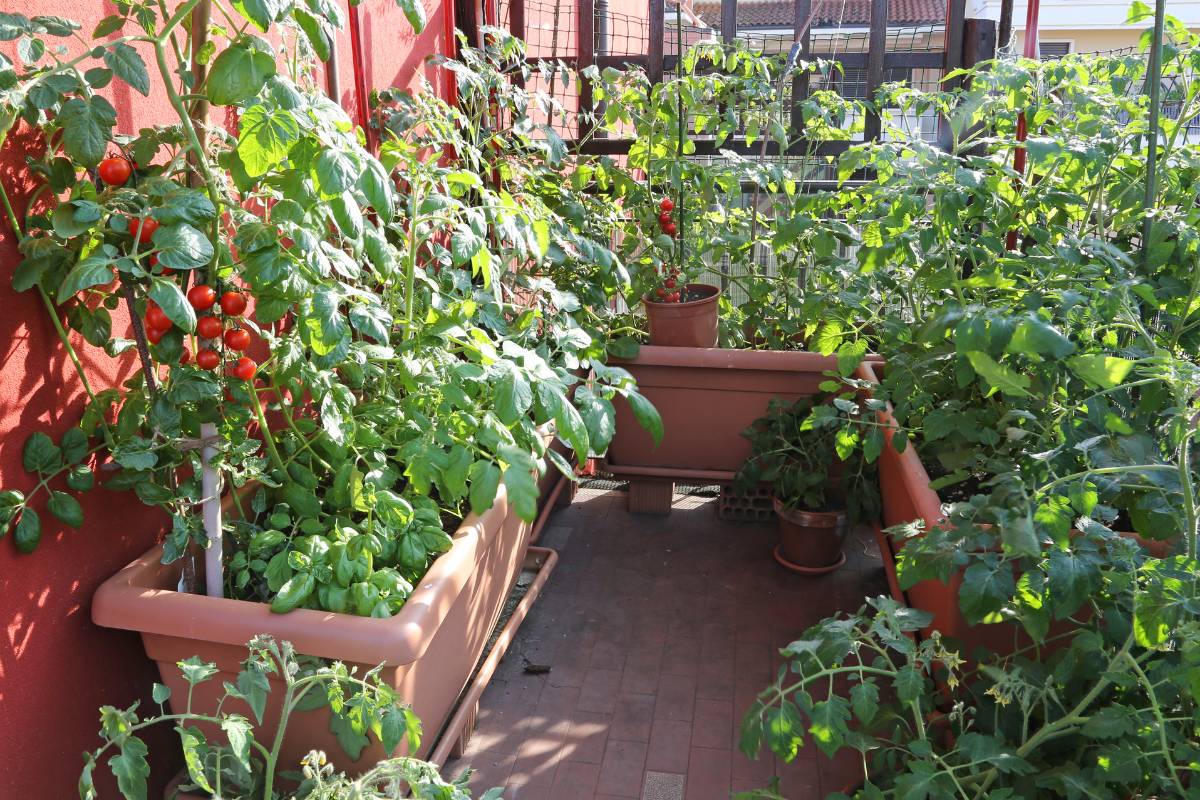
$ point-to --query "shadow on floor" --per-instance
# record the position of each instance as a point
(658, 633)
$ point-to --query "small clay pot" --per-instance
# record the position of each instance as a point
(810, 542)
(692, 323)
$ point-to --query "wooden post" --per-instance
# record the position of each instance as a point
(953, 59)
(955, 19)
(876, 49)
(1004, 34)
(979, 42)
(728, 20)
(586, 10)
(801, 24)
(657, 33)
(516, 24)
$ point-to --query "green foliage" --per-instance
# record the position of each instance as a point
(814, 454)
(1097, 713)
(228, 753)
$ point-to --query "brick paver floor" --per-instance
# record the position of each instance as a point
(658, 632)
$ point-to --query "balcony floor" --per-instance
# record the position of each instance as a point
(658, 633)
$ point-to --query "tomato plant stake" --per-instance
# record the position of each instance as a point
(214, 570)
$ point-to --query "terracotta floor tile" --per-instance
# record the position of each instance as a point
(670, 743)
(676, 697)
(587, 735)
(715, 679)
(712, 725)
(708, 776)
(575, 781)
(599, 690)
(633, 717)
(621, 772)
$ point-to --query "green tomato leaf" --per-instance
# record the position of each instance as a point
(414, 12)
(87, 125)
(91, 271)
(238, 74)
(1102, 371)
(646, 414)
(131, 768)
(484, 477)
(66, 508)
(41, 454)
(265, 139)
(28, 531)
(998, 376)
(173, 302)
(127, 64)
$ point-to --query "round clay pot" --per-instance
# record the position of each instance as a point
(685, 324)
(811, 541)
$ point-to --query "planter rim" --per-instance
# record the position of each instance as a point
(927, 502)
(809, 519)
(650, 355)
(130, 600)
(711, 298)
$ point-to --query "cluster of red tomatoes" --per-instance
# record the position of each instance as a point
(210, 328)
(116, 171)
(668, 292)
(665, 220)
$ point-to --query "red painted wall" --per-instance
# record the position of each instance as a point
(56, 668)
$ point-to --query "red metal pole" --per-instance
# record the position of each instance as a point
(449, 87)
(1030, 51)
(360, 77)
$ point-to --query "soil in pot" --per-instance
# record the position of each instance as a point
(810, 542)
(692, 322)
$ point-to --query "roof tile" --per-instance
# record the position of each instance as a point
(829, 13)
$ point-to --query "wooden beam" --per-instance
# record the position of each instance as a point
(955, 20)
(616, 147)
(1004, 34)
(801, 11)
(728, 20)
(654, 48)
(876, 50)
(586, 9)
(516, 24)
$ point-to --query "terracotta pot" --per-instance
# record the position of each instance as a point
(690, 324)
(706, 398)
(428, 650)
(811, 541)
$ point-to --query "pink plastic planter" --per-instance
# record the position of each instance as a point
(428, 650)
(706, 397)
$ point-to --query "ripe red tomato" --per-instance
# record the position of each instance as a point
(237, 339)
(673, 297)
(664, 218)
(157, 319)
(669, 283)
(207, 359)
(209, 327)
(202, 296)
(146, 232)
(233, 303)
(666, 205)
(670, 230)
(245, 368)
(661, 292)
(154, 335)
(185, 356)
(115, 171)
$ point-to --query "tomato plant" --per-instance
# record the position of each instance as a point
(423, 339)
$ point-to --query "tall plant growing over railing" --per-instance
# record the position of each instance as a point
(372, 386)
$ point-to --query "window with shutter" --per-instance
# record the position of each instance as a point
(1051, 50)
